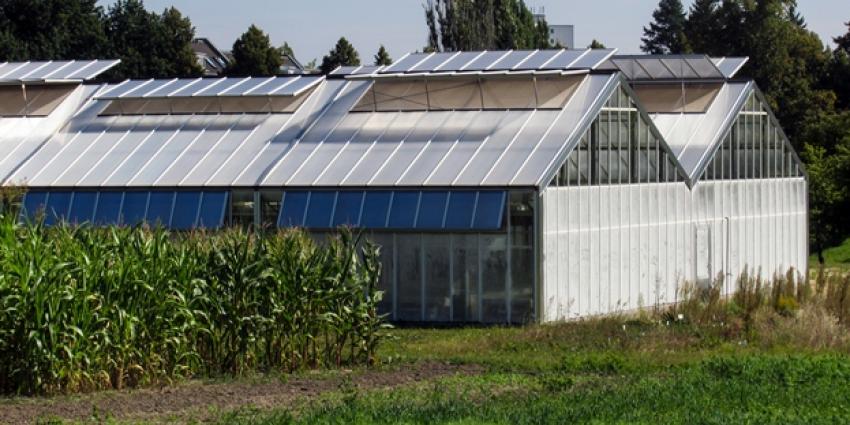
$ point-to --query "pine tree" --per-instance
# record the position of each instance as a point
(286, 50)
(51, 29)
(666, 34)
(175, 43)
(843, 42)
(383, 57)
(795, 16)
(254, 55)
(343, 54)
(701, 26)
(596, 44)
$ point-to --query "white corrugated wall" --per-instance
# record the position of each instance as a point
(616, 248)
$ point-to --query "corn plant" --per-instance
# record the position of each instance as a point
(84, 308)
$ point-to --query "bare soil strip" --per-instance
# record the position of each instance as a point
(197, 400)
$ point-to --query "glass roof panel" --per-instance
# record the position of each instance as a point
(459, 61)
(406, 63)
(593, 59)
(194, 86)
(485, 61)
(704, 67)
(244, 86)
(433, 62)
(538, 59)
(565, 59)
(512, 60)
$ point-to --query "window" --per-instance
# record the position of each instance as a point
(347, 210)
(242, 209)
(403, 210)
(460, 210)
(320, 210)
(432, 210)
(57, 207)
(489, 210)
(754, 148)
(213, 206)
(82, 208)
(293, 209)
(376, 207)
(619, 148)
(159, 208)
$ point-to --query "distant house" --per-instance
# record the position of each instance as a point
(290, 65)
(213, 61)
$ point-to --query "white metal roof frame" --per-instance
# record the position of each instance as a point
(54, 72)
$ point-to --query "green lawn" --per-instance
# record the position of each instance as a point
(614, 370)
(835, 257)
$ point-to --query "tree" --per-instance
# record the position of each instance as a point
(794, 16)
(150, 45)
(701, 27)
(484, 24)
(286, 49)
(666, 34)
(843, 42)
(343, 54)
(51, 29)
(254, 55)
(596, 44)
(383, 57)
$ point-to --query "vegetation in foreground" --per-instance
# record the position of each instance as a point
(86, 308)
(774, 353)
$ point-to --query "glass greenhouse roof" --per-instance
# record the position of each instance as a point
(511, 61)
(211, 87)
(669, 67)
(53, 71)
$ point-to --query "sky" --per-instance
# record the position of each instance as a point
(312, 27)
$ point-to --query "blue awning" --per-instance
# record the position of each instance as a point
(459, 210)
(181, 210)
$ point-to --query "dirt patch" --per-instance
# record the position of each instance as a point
(198, 401)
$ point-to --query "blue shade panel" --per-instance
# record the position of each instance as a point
(426, 210)
(159, 209)
(82, 207)
(432, 210)
(403, 209)
(186, 207)
(56, 210)
(489, 210)
(213, 207)
(460, 210)
(134, 208)
(108, 208)
(347, 210)
(320, 209)
(292, 210)
(376, 207)
(34, 203)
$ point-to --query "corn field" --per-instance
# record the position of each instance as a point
(86, 308)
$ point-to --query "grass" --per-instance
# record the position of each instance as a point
(775, 353)
(835, 257)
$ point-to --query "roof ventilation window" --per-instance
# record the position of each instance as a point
(468, 93)
(209, 96)
(32, 101)
(677, 98)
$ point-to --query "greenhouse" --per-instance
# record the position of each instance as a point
(503, 186)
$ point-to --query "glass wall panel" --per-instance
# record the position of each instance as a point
(522, 256)
(213, 206)
(376, 207)
(34, 203)
(270, 207)
(320, 209)
(57, 207)
(347, 210)
(465, 278)
(494, 264)
(108, 208)
(432, 210)
(403, 210)
(82, 207)
(437, 278)
(409, 284)
(160, 207)
(460, 210)
(385, 242)
(186, 207)
(134, 208)
(489, 210)
(294, 208)
(242, 208)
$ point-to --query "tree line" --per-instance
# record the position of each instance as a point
(806, 83)
(149, 44)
